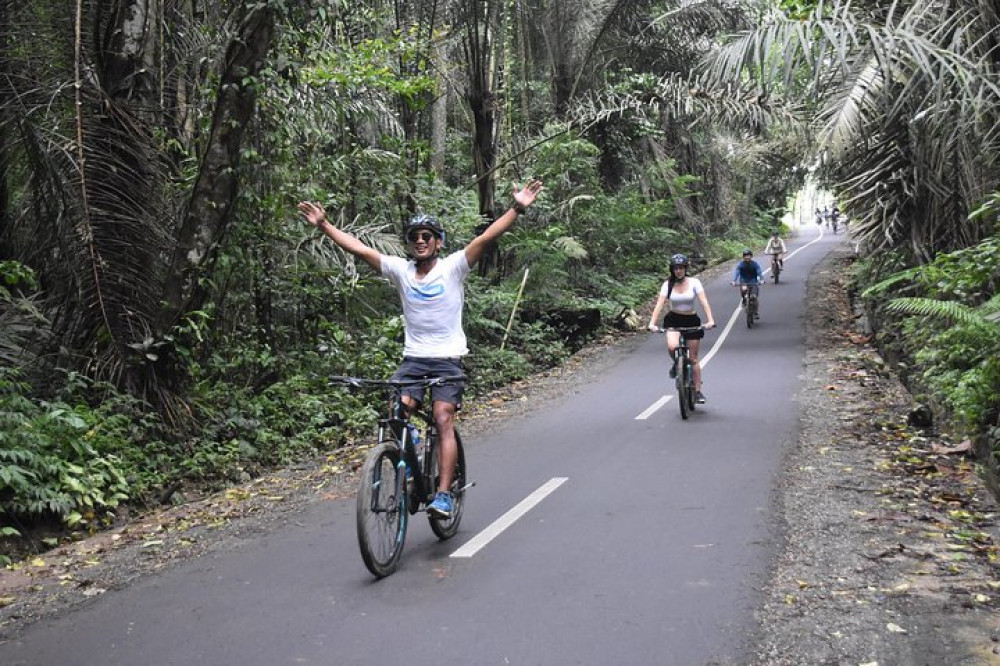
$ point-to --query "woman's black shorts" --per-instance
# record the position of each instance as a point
(678, 320)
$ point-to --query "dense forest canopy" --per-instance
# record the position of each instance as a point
(160, 295)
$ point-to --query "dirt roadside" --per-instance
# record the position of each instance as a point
(890, 551)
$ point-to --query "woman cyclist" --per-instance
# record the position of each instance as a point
(681, 291)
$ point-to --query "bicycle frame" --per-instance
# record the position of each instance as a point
(393, 428)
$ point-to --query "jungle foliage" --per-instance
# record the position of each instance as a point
(167, 317)
(942, 320)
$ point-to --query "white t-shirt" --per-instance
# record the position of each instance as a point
(432, 307)
(683, 302)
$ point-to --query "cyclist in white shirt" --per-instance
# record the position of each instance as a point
(681, 291)
(776, 246)
(431, 289)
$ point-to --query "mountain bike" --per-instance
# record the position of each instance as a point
(750, 303)
(684, 371)
(775, 267)
(400, 475)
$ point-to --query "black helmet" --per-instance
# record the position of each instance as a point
(422, 221)
(747, 252)
(679, 260)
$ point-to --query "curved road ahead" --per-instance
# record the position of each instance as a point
(632, 537)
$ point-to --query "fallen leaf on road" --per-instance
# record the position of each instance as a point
(963, 447)
(895, 628)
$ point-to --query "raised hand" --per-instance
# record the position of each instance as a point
(313, 212)
(526, 196)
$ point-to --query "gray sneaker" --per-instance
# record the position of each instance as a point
(699, 397)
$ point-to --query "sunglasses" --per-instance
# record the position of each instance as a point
(425, 236)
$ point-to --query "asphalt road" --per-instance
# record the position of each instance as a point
(645, 542)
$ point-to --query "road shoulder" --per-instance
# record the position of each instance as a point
(889, 553)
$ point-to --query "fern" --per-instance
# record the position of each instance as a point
(951, 311)
(891, 281)
(571, 247)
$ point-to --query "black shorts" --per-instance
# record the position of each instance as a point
(678, 320)
(423, 368)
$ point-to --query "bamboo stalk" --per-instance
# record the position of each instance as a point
(510, 322)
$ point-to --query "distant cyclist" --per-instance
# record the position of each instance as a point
(681, 291)
(748, 276)
(776, 248)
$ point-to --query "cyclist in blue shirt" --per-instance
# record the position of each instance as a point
(748, 276)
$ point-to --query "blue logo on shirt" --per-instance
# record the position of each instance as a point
(428, 292)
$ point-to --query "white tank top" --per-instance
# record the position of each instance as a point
(682, 302)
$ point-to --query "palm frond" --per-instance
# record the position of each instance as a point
(907, 117)
(948, 311)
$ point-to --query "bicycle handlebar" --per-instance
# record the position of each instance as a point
(425, 382)
(681, 329)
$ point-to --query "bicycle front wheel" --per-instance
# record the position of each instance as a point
(683, 388)
(446, 528)
(776, 271)
(689, 375)
(751, 311)
(381, 509)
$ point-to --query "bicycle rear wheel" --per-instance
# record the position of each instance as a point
(446, 528)
(683, 389)
(381, 509)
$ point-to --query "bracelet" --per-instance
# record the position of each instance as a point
(519, 209)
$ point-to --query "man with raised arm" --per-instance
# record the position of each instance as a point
(431, 289)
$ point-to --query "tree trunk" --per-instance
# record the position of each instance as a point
(214, 196)
(439, 114)
(482, 102)
(6, 135)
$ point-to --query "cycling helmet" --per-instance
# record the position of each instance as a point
(747, 252)
(423, 221)
(679, 260)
